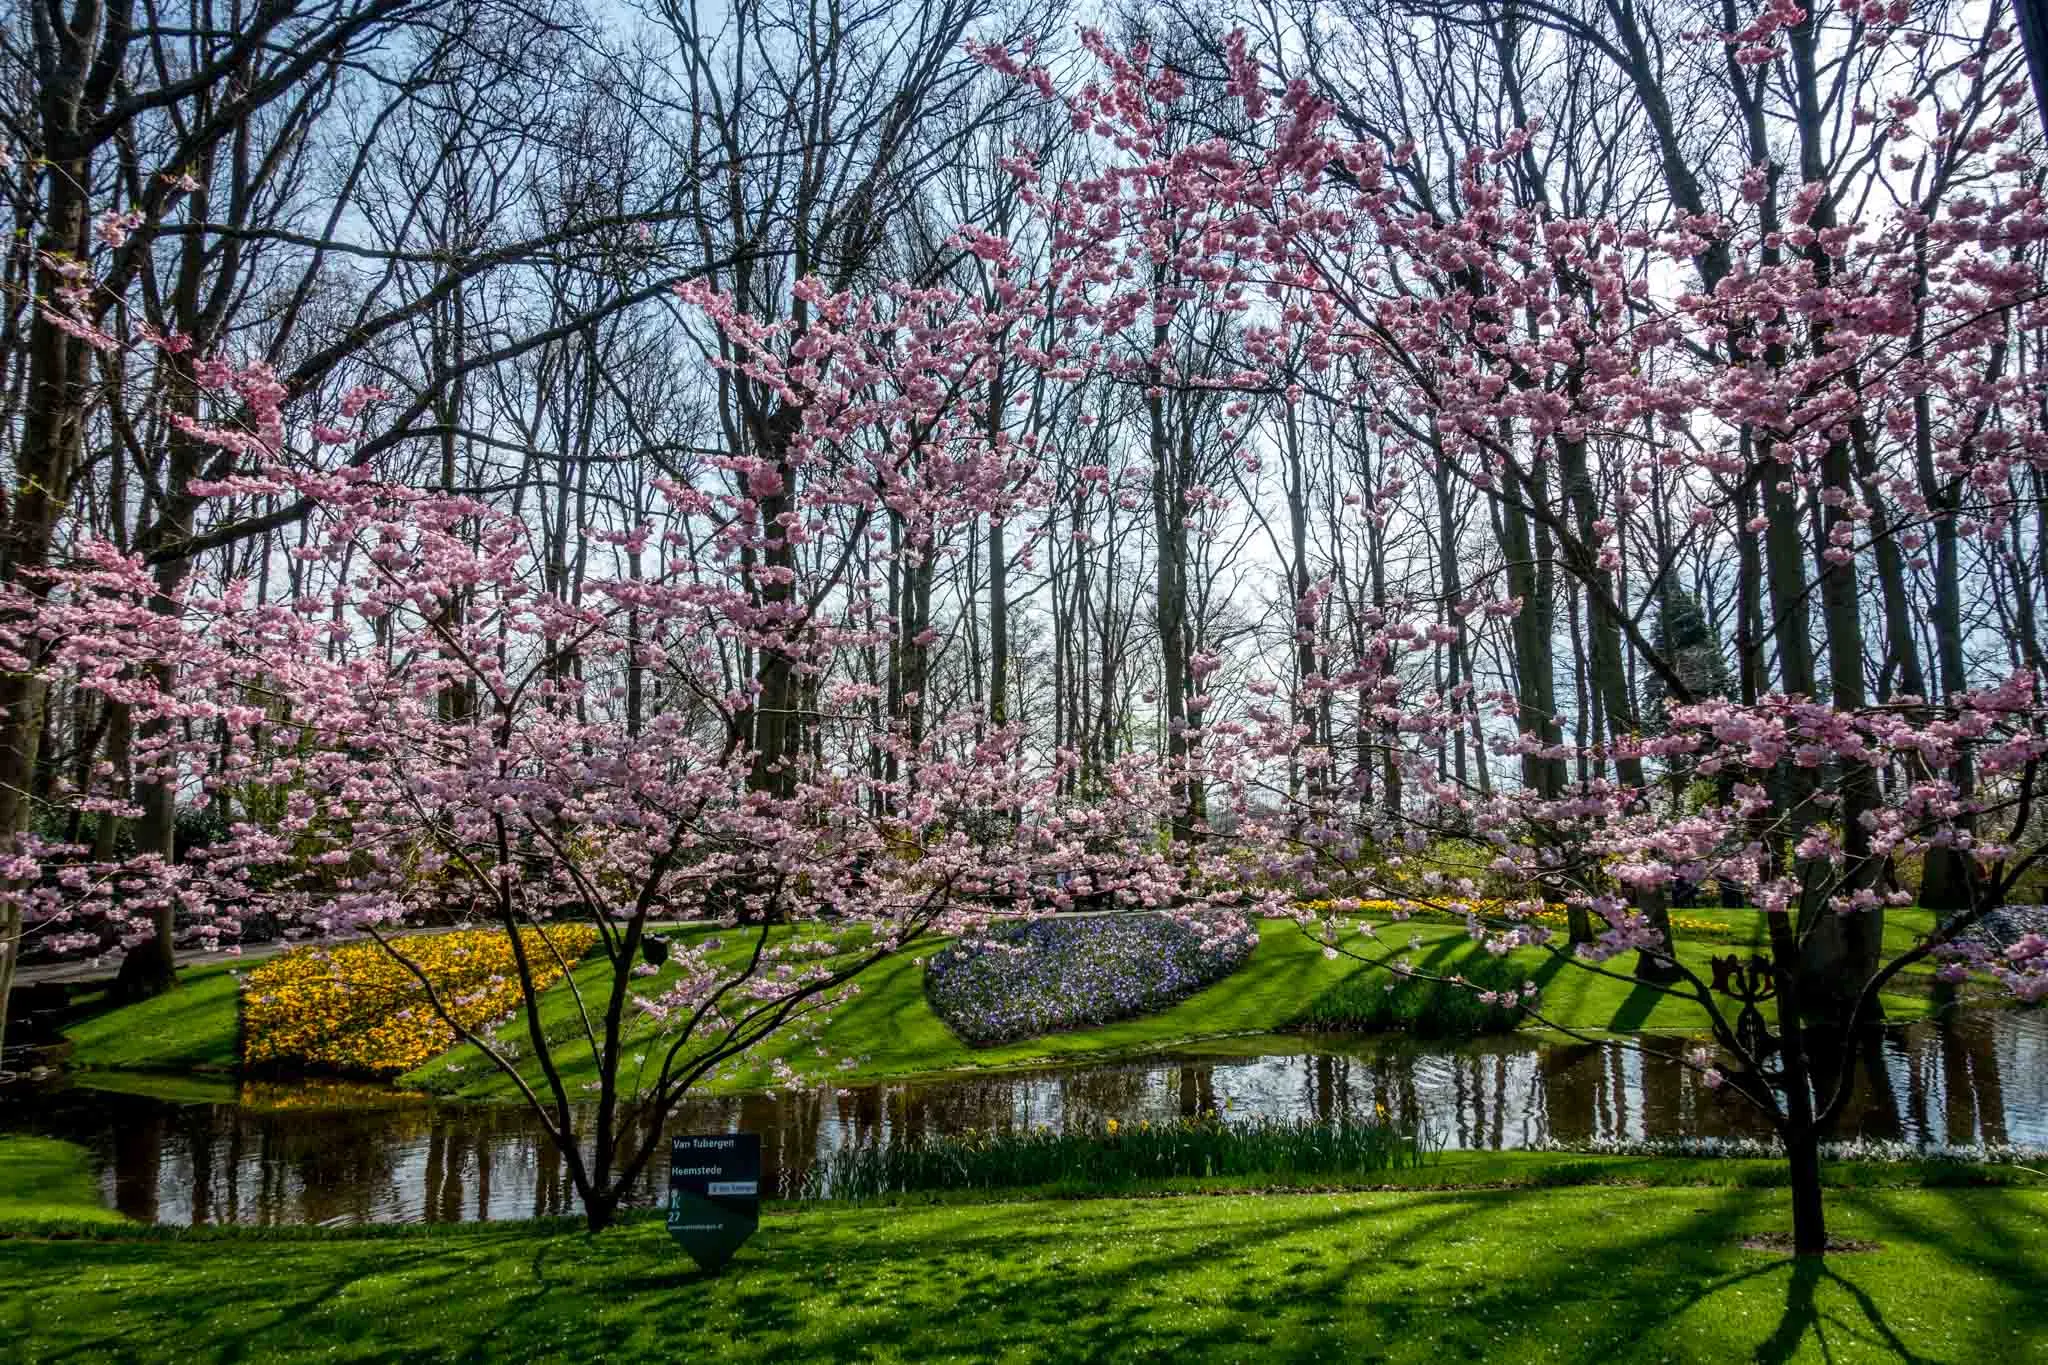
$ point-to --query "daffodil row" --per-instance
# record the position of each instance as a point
(359, 1008)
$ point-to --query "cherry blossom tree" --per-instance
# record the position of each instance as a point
(1820, 381)
(449, 735)
(1504, 339)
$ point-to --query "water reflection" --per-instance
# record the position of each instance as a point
(337, 1154)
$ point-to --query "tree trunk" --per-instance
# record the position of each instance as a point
(1305, 632)
(998, 626)
(1840, 951)
(155, 967)
(10, 948)
(775, 703)
(106, 830)
(156, 832)
(1608, 685)
(599, 1212)
(1800, 1129)
(55, 397)
(1809, 1215)
(1169, 516)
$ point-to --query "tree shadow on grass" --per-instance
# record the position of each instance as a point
(1617, 1292)
(1982, 1230)
(1803, 1317)
(183, 1322)
(1595, 1275)
(1636, 1007)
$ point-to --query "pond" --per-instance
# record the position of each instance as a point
(336, 1153)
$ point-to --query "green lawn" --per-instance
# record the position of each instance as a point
(891, 1028)
(891, 1031)
(194, 1028)
(1581, 1274)
(1460, 1169)
(45, 1181)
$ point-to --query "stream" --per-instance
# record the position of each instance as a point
(337, 1153)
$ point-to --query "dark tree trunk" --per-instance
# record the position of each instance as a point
(1809, 1214)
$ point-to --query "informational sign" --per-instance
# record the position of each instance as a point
(714, 1194)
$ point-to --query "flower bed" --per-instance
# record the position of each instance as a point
(355, 1008)
(1022, 980)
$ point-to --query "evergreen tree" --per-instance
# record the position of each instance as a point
(1683, 634)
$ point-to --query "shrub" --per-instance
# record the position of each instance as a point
(1370, 1001)
(1116, 1154)
(355, 1008)
(1024, 979)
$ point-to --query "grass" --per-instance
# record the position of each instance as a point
(1583, 1274)
(196, 1027)
(196, 1087)
(1458, 1169)
(891, 1030)
(44, 1181)
(1426, 1008)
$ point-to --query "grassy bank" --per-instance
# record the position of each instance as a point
(44, 1182)
(194, 1028)
(1569, 1274)
(891, 1030)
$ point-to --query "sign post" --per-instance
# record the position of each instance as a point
(714, 1194)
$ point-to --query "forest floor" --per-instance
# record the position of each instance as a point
(890, 1031)
(1653, 1268)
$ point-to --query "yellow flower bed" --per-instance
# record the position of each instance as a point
(355, 1008)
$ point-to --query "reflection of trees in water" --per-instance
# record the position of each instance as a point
(789, 1123)
(1659, 1097)
(138, 1163)
(1340, 1085)
(1571, 1077)
(1466, 1097)
(1958, 1068)
(345, 1167)
(419, 1161)
(1396, 1088)
(1481, 1086)
(1463, 1102)
(1971, 1069)
(1874, 1104)
(1327, 1080)
(1500, 1104)
(455, 1150)
(1121, 1092)
(920, 1112)
(205, 1163)
(860, 1114)
(289, 1155)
